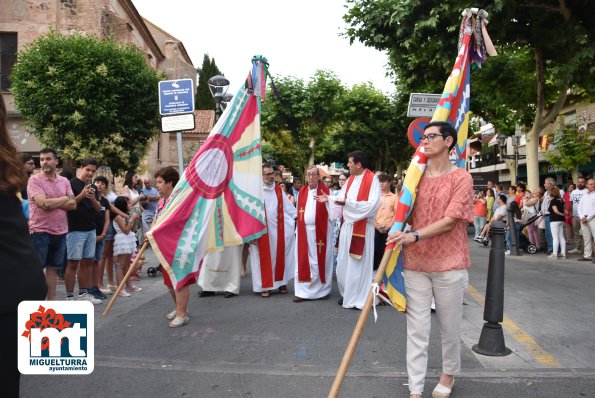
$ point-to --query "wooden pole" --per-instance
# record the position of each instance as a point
(126, 277)
(359, 327)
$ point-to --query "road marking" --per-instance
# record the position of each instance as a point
(523, 338)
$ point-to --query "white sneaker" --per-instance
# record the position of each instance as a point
(573, 251)
(507, 252)
(90, 298)
(69, 298)
(553, 256)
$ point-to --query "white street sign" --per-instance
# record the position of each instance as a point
(422, 104)
(182, 122)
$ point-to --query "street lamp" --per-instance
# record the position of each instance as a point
(226, 100)
(502, 139)
(218, 86)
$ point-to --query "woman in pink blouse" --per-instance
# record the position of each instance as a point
(436, 259)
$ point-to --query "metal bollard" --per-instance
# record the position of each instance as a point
(491, 340)
(514, 241)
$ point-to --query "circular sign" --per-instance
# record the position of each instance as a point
(211, 170)
(416, 130)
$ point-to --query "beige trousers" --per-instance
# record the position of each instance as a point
(448, 289)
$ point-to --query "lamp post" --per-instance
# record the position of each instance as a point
(226, 100)
(502, 139)
(218, 86)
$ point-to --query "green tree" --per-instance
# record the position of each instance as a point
(88, 98)
(374, 123)
(204, 99)
(546, 44)
(305, 113)
(573, 149)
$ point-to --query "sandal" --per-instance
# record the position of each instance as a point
(283, 289)
(179, 321)
(265, 294)
(134, 289)
(171, 315)
(124, 293)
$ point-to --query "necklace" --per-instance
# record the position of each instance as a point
(441, 173)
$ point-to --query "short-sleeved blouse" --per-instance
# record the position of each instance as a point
(448, 195)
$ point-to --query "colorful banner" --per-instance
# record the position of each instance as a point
(218, 201)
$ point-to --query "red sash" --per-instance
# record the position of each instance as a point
(321, 235)
(358, 237)
(264, 247)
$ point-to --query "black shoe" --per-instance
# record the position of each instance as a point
(206, 293)
(340, 302)
(325, 297)
(229, 294)
(297, 299)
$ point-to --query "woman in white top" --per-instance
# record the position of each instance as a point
(130, 181)
(106, 264)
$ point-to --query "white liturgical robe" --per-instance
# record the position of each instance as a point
(314, 289)
(220, 271)
(270, 204)
(354, 276)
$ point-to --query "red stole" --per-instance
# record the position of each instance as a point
(321, 235)
(264, 247)
(358, 237)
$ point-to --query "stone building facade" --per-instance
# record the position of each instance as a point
(22, 21)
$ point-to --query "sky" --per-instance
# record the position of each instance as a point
(297, 37)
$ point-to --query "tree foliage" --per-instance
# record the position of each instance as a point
(88, 97)
(322, 121)
(204, 99)
(545, 50)
(573, 149)
(305, 113)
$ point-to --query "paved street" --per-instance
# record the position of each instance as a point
(248, 346)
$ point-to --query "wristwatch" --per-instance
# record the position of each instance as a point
(416, 234)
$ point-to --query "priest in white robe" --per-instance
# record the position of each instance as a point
(357, 203)
(314, 248)
(272, 256)
(220, 272)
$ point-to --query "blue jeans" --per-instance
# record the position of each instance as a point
(478, 223)
(517, 228)
(548, 235)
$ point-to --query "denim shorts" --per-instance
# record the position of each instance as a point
(111, 232)
(99, 249)
(80, 245)
(51, 248)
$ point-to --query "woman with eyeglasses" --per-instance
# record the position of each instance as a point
(436, 258)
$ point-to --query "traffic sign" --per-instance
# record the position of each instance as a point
(176, 123)
(422, 104)
(416, 130)
(176, 96)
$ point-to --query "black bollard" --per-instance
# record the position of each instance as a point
(514, 241)
(491, 341)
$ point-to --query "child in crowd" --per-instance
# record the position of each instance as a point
(124, 243)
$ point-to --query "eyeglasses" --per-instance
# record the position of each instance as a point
(269, 174)
(430, 137)
(30, 162)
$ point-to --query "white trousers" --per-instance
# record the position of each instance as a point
(588, 231)
(557, 228)
(448, 289)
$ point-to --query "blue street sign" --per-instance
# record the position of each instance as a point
(176, 96)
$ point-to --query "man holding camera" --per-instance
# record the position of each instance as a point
(80, 240)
